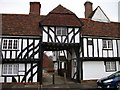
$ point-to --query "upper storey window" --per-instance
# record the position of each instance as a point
(10, 44)
(61, 31)
(107, 44)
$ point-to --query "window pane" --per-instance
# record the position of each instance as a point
(15, 69)
(64, 31)
(104, 44)
(61, 30)
(109, 44)
(15, 44)
(10, 44)
(4, 44)
(90, 42)
(110, 66)
(4, 70)
(9, 69)
(58, 30)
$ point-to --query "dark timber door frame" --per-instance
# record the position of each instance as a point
(57, 47)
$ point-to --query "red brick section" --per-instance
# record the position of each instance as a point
(61, 16)
(35, 8)
(48, 63)
(94, 28)
(18, 24)
(88, 8)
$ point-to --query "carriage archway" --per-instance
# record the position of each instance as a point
(71, 49)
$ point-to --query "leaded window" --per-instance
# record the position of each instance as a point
(107, 44)
(61, 31)
(10, 69)
(10, 44)
(110, 66)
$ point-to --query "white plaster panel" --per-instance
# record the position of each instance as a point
(110, 53)
(13, 54)
(95, 47)
(105, 53)
(77, 38)
(24, 46)
(52, 35)
(9, 79)
(100, 47)
(21, 67)
(1, 79)
(21, 73)
(8, 54)
(59, 38)
(45, 36)
(28, 66)
(35, 78)
(0, 69)
(16, 79)
(90, 50)
(93, 70)
(63, 39)
(85, 47)
(118, 42)
(70, 36)
(114, 48)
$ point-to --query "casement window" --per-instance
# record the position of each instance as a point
(10, 44)
(110, 66)
(107, 44)
(10, 69)
(61, 31)
(90, 41)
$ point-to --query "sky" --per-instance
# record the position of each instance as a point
(110, 7)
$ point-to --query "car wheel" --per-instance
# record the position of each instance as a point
(118, 86)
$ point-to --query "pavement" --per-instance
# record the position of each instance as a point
(48, 84)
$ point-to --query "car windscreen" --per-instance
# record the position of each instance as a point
(117, 74)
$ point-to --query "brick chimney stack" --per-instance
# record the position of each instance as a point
(35, 8)
(88, 8)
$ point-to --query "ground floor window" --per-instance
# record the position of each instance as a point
(110, 66)
(10, 69)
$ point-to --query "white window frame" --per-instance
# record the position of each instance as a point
(110, 66)
(107, 44)
(10, 69)
(10, 44)
(61, 31)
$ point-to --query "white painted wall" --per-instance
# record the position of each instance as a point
(93, 70)
(100, 16)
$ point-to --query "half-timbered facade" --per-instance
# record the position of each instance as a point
(20, 45)
(100, 44)
(61, 34)
(83, 48)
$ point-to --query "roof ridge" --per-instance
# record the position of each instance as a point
(61, 10)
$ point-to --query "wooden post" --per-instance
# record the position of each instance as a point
(40, 64)
(53, 80)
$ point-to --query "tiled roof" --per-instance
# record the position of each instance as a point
(61, 16)
(94, 28)
(27, 25)
(17, 24)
